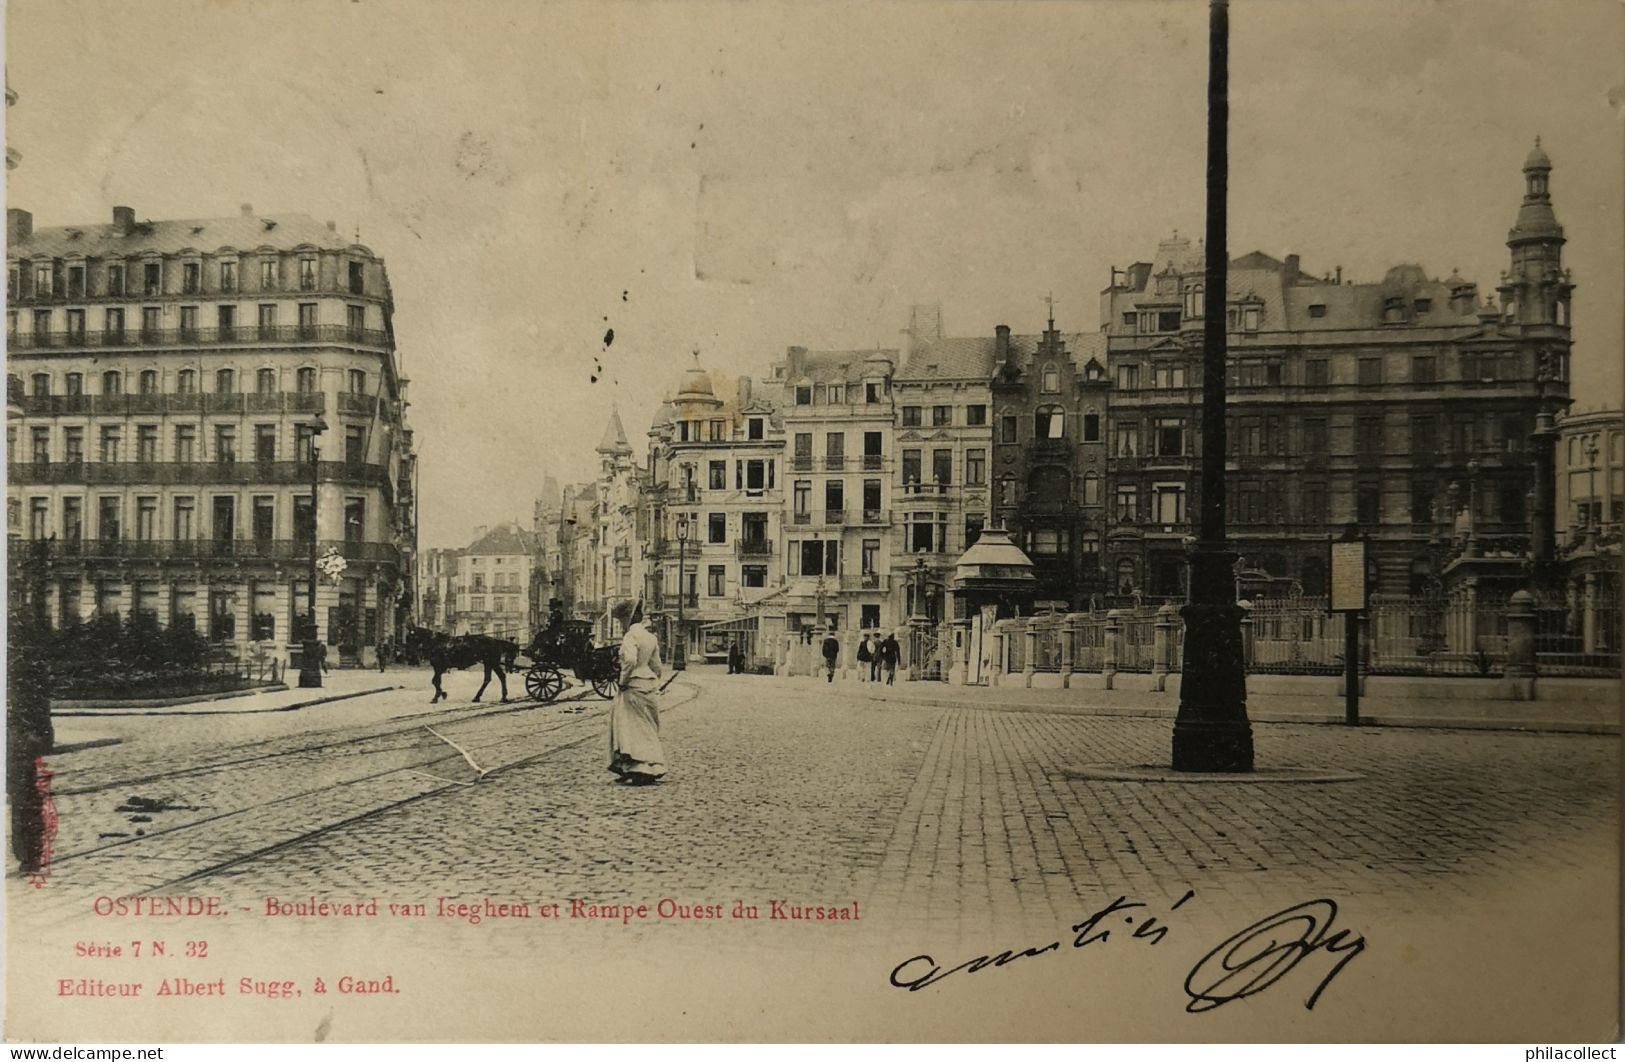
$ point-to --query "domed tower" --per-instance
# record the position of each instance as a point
(1536, 288)
(696, 403)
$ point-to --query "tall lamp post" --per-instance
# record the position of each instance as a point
(1211, 731)
(679, 649)
(310, 664)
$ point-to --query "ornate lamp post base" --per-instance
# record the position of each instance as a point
(1211, 731)
(310, 666)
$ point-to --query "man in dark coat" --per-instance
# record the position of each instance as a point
(832, 649)
(736, 658)
(890, 654)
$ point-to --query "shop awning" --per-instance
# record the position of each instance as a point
(738, 625)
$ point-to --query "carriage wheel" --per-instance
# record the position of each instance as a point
(605, 687)
(543, 682)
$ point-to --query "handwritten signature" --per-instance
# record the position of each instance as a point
(1243, 965)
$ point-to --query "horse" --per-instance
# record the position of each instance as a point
(447, 653)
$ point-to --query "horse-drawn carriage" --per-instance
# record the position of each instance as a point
(564, 645)
(567, 644)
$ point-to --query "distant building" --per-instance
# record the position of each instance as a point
(716, 501)
(437, 589)
(618, 566)
(493, 584)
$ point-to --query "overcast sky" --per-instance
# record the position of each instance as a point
(741, 177)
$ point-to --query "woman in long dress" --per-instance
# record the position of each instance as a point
(635, 752)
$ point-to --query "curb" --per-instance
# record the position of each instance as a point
(1372, 720)
(107, 712)
(98, 703)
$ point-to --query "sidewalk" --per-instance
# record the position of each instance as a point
(336, 686)
(1587, 708)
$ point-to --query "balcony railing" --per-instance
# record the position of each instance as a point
(834, 463)
(834, 517)
(873, 517)
(801, 463)
(873, 462)
(748, 547)
(191, 402)
(270, 549)
(173, 337)
(246, 473)
(801, 518)
(925, 490)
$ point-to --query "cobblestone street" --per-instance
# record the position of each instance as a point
(926, 815)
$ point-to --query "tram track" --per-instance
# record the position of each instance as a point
(340, 738)
(451, 754)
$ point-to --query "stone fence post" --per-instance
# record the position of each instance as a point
(1114, 645)
(1521, 663)
(998, 632)
(1163, 647)
(1069, 639)
(1029, 657)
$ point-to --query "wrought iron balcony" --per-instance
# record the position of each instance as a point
(834, 517)
(185, 337)
(757, 547)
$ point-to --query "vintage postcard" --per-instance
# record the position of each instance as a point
(903, 521)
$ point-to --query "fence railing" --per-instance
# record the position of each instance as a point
(1466, 634)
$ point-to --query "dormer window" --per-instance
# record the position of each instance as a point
(804, 394)
(1393, 310)
(228, 276)
(756, 428)
(152, 278)
(76, 282)
(307, 274)
(358, 279)
(871, 393)
(1251, 317)
(191, 278)
(837, 395)
(268, 273)
(1421, 306)
(115, 280)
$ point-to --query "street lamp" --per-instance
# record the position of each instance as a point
(1592, 504)
(310, 664)
(679, 649)
(1211, 731)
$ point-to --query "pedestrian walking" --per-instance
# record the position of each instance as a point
(635, 753)
(736, 658)
(832, 649)
(866, 658)
(873, 646)
(890, 653)
(383, 655)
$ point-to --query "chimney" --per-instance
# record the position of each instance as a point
(1340, 274)
(247, 210)
(332, 226)
(1292, 261)
(1001, 344)
(744, 392)
(123, 220)
(19, 225)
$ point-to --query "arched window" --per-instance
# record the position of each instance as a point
(149, 381)
(75, 383)
(1125, 576)
(1052, 380)
(42, 384)
(265, 381)
(1091, 488)
(186, 382)
(225, 381)
(305, 379)
(112, 382)
(1050, 423)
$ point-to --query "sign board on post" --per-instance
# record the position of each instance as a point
(1348, 576)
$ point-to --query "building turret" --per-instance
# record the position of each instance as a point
(1536, 290)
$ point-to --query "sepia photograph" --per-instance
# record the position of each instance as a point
(806, 521)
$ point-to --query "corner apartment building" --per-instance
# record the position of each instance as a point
(493, 582)
(166, 384)
(716, 504)
(838, 448)
(1403, 406)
